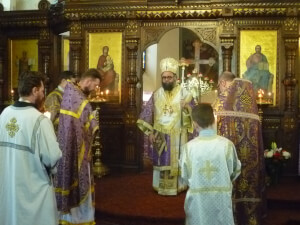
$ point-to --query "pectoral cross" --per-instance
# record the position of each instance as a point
(208, 170)
(167, 110)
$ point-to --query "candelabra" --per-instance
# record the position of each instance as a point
(263, 100)
(198, 85)
(99, 168)
(195, 83)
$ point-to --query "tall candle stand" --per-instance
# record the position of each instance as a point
(99, 168)
(263, 100)
(183, 64)
(260, 95)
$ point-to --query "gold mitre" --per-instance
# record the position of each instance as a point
(169, 64)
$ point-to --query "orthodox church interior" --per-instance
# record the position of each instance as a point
(207, 37)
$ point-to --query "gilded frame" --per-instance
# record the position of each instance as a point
(95, 43)
(268, 40)
(22, 52)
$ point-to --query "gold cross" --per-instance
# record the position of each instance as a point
(166, 109)
(208, 170)
(12, 127)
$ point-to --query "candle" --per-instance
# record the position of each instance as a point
(260, 95)
(107, 92)
(12, 93)
(270, 97)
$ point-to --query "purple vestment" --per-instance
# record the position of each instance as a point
(163, 117)
(75, 135)
(238, 120)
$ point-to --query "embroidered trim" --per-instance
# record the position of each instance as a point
(35, 129)
(238, 114)
(15, 146)
(247, 200)
(79, 111)
(209, 189)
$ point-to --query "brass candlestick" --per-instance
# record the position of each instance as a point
(99, 168)
(263, 101)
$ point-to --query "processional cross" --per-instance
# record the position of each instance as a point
(195, 84)
(197, 61)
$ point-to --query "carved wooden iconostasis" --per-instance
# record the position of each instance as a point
(228, 33)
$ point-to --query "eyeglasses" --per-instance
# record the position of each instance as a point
(167, 78)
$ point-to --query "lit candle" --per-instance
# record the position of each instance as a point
(270, 97)
(12, 93)
(107, 92)
(260, 95)
(101, 92)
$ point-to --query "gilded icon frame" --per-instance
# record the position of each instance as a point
(268, 40)
(18, 49)
(95, 43)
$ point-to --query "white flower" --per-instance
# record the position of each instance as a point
(286, 154)
(269, 154)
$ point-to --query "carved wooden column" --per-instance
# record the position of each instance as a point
(131, 151)
(290, 81)
(131, 157)
(132, 75)
(45, 56)
(75, 48)
(227, 39)
(290, 125)
(227, 55)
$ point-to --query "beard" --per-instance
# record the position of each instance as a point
(86, 91)
(39, 102)
(167, 86)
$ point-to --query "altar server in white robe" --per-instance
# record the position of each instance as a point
(28, 156)
(209, 164)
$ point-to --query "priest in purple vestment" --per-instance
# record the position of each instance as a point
(166, 120)
(74, 184)
(238, 120)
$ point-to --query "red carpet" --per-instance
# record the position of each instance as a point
(130, 200)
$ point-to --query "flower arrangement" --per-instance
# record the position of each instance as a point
(275, 159)
(198, 85)
(277, 154)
